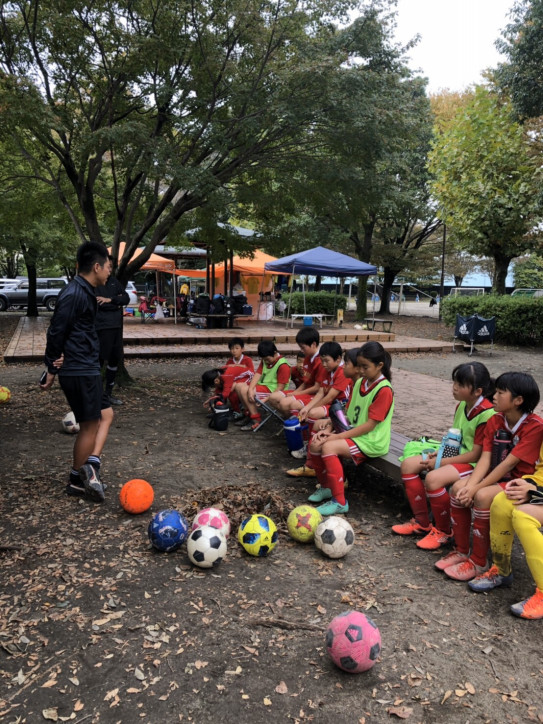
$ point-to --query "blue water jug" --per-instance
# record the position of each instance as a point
(294, 433)
(308, 321)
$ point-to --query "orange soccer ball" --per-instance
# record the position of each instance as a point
(136, 496)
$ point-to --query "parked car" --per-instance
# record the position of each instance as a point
(47, 290)
(536, 293)
(9, 283)
(133, 294)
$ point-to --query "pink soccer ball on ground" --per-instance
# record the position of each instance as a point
(215, 518)
(353, 642)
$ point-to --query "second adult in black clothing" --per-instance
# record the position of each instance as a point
(111, 298)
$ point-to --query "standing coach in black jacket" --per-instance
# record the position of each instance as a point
(111, 298)
(73, 353)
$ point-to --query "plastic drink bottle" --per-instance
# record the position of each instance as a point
(293, 434)
(338, 417)
(450, 445)
(501, 447)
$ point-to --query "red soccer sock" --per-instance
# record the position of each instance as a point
(234, 401)
(461, 525)
(481, 536)
(334, 477)
(309, 459)
(416, 495)
(440, 503)
(319, 468)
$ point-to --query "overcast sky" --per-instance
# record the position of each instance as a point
(457, 38)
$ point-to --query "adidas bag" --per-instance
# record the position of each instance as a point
(423, 445)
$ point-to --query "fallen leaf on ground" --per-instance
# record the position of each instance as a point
(50, 714)
(403, 712)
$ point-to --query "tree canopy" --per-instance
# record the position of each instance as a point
(136, 114)
(486, 182)
(522, 43)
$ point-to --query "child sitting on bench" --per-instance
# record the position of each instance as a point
(273, 374)
(289, 402)
(370, 414)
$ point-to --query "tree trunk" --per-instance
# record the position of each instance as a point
(363, 249)
(318, 283)
(123, 378)
(388, 281)
(501, 266)
(32, 308)
(458, 280)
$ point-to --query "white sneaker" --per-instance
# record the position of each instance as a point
(300, 454)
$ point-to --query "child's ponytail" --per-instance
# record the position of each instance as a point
(475, 375)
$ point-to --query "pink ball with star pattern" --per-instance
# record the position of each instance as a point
(215, 518)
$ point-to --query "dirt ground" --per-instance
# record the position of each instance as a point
(96, 626)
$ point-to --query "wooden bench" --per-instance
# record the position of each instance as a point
(229, 317)
(389, 463)
(320, 317)
(386, 324)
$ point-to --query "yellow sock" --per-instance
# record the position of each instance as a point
(501, 532)
(527, 529)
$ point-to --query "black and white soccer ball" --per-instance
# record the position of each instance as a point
(334, 537)
(206, 546)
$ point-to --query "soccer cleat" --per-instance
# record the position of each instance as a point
(410, 528)
(301, 472)
(333, 508)
(75, 490)
(242, 420)
(531, 608)
(115, 400)
(300, 454)
(319, 495)
(237, 416)
(434, 540)
(490, 580)
(251, 426)
(451, 559)
(464, 571)
(92, 483)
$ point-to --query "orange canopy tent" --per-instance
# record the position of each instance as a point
(155, 262)
(247, 266)
(192, 273)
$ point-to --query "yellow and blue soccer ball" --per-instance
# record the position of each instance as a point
(258, 535)
(302, 523)
(168, 530)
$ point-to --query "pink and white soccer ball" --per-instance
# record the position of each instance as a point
(215, 518)
(353, 642)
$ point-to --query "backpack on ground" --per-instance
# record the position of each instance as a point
(220, 414)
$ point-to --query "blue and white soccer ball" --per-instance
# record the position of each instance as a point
(206, 546)
(168, 530)
(69, 423)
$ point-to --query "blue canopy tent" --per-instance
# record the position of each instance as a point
(317, 262)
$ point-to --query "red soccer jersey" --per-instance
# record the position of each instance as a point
(297, 376)
(231, 374)
(527, 440)
(244, 361)
(380, 407)
(336, 380)
(313, 369)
